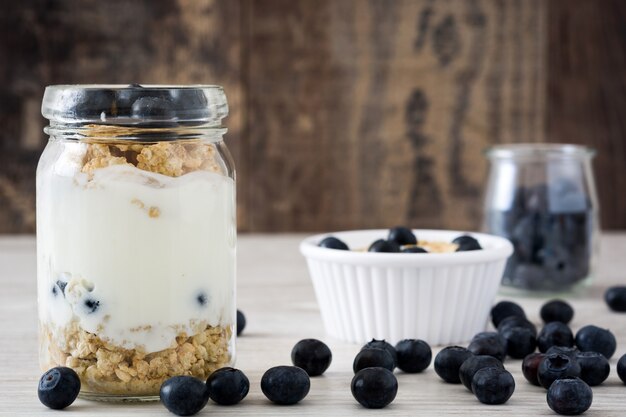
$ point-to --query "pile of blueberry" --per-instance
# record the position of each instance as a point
(551, 231)
(401, 239)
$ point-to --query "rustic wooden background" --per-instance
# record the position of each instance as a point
(344, 114)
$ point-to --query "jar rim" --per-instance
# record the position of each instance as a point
(539, 150)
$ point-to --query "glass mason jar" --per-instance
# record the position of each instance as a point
(136, 236)
(542, 197)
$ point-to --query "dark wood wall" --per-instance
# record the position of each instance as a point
(344, 114)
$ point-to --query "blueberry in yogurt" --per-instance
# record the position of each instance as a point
(466, 243)
(332, 242)
(382, 245)
(402, 236)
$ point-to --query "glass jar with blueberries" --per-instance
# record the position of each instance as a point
(542, 197)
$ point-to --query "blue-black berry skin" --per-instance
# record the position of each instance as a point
(493, 385)
(505, 309)
(373, 357)
(448, 362)
(554, 334)
(241, 322)
(569, 396)
(520, 342)
(382, 344)
(594, 339)
(572, 352)
(285, 385)
(621, 368)
(488, 343)
(413, 355)
(414, 249)
(374, 387)
(312, 355)
(557, 310)
(402, 236)
(556, 366)
(516, 321)
(615, 298)
(58, 387)
(530, 367)
(466, 243)
(184, 395)
(473, 364)
(228, 386)
(382, 245)
(332, 242)
(594, 367)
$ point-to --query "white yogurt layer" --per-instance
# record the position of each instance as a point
(134, 256)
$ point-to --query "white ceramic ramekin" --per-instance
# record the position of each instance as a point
(442, 298)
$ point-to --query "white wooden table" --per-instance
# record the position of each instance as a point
(275, 293)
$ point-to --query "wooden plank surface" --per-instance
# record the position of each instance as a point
(275, 293)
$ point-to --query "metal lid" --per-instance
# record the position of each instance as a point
(135, 105)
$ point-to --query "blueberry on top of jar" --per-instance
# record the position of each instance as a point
(466, 243)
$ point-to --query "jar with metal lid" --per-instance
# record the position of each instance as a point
(542, 197)
(136, 236)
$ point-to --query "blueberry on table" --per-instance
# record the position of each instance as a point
(569, 396)
(530, 367)
(332, 242)
(382, 344)
(493, 385)
(241, 322)
(448, 362)
(312, 355)
(621, 368)
(473, 364)
(572, 352)
(285, 385)
(382, 245)
(554, 334)
(466, 243)
(594, 367)
(516, 321)
(505, 309)
(594, 339)
(58, 387)
(414, 249)
(184, 395)
(520, 341)
(402, 236)
(374, 387)
(228, 386)
(373, 357)
(556, 366)
(557, 310)
(413, 355)
(488, 343)
(615, 298)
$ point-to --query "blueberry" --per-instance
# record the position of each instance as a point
(228, 386)
(91, 305)
(402, 236)
(557, 310)
(61, 285)
(373, 357)
(241, 322)
(505, 309)
(594, 367)
(520, 341)
(488, 343)
(615, 298)
(530, 367)
(149, 107)
(382, 344)
(621, 368)
(594, 339)
(184, 395)
(466, 243)
(473, 364)
(311, 355)
(202, 299)
(516, 321)
(569, 396)
(58, 387)
(285, 385)
(374, 387)
(333, 243)
(448, 362)
(556, 366)
(414, 249)
(493, 385)
(91, 103)
(554, 334)
(384, 246)
(571, 352)
(413, 355)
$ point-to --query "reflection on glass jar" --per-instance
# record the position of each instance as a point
(136, 237)
(542, 197)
